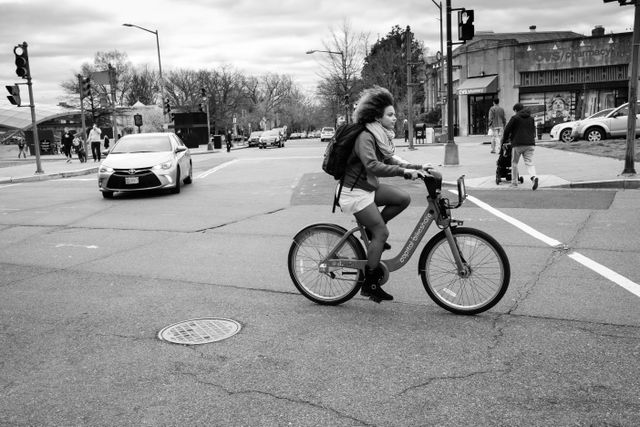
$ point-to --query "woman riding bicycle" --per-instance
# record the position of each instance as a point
(374, 156)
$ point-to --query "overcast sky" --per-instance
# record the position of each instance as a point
(252, 36)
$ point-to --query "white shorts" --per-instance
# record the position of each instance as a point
(353, 201)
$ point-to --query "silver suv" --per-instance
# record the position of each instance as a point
(613, 124)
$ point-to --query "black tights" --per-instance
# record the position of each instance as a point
(394, 200)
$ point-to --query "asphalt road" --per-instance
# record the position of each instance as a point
(87, 283)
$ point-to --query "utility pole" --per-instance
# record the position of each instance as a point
(629, 168)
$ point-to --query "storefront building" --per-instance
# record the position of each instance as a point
(559, 76)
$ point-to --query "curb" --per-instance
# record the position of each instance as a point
(46, 177)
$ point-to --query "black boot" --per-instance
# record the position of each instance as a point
(386, 246)
(371, 286)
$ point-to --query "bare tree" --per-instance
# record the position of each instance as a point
(344, 57)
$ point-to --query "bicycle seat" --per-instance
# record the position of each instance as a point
(433, 181)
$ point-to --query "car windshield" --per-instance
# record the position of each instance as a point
(270, 133)
(327, 130)
(601, 113)
(142, 144)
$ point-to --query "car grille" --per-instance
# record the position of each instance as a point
(146, 179)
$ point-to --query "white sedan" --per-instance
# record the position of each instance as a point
(145, 161)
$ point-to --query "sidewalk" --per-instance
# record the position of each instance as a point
(556, 168)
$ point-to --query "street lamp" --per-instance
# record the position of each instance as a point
(164, 113)
(345, 82)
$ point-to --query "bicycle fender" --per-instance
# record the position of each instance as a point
(324, 225)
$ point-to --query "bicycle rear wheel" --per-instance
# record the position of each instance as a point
(309, 248)
(479, 290)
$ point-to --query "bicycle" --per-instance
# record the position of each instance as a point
(463, 270)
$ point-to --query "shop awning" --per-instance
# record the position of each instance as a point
(479, 85)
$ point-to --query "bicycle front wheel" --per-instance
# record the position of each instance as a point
(483, 284)
(309, 248)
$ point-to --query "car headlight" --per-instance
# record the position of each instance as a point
(163, 166)
(105, 169)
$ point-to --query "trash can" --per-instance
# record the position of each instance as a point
(217, 141)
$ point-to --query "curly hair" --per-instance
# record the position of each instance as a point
(372, 104)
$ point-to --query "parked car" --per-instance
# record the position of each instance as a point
(562, 131)
(254, 138)
(271, 137)
(613, 124)
(326, 134)
(145, 161)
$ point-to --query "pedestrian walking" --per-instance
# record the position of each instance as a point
(228, 140)
(22, 148)
(95, 140)
(521, 132)
(496, 121)
(106, 142)
(67, 142)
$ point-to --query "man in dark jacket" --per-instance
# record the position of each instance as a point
(521, 132)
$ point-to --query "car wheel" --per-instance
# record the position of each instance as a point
(565, 135)
(107, 194)
(594, 135)
(189, 178)
(176, 189)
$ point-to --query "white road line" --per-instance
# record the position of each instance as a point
(522, 226)
(605, 272)
(7, 185)
(216, 169)
(620, 280)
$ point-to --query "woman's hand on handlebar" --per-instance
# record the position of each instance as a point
(413, 174)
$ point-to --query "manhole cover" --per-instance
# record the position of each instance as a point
(200, 331)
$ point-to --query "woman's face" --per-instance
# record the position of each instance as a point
(388, 119)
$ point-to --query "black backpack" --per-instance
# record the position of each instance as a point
(340, 148)
(337, 154)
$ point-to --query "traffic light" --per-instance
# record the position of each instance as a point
(167, 107)
(466, 30)
(137, 120)
(85, 87)
(201, 107)
(22, 60)
(14, 94)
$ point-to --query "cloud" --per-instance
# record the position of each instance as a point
(252, 36)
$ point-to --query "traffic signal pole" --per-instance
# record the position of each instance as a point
(23, 70)
(408, 40)
(84, 126)
(36, 139)
(450, 148)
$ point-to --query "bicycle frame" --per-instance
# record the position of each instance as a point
(437, 210)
